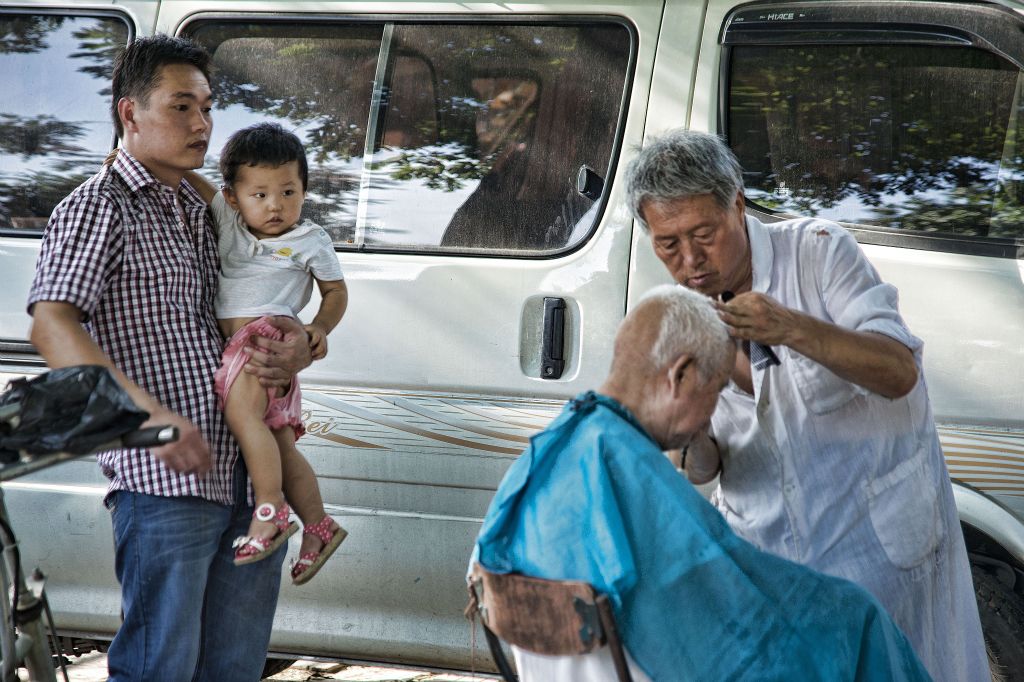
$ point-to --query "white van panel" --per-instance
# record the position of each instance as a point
(970, 312)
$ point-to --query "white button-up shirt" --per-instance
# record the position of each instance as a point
(826, 473)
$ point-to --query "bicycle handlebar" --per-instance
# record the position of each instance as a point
(151, 437)
(143, 438)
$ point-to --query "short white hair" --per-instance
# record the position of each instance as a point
(681, 164)
(689, 324)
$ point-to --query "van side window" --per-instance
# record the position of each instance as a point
(450, 138)
(918, 138)
(55, 125)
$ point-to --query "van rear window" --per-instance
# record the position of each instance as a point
(908, 137)
(446, 137)
(55, 124)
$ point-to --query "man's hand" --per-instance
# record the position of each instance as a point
(755, 317)
(190, 454)
(703, 461)
(276, 362)
(872, 360)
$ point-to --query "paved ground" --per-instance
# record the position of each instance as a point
(93, 668)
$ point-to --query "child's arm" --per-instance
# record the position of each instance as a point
(334, 301)
(201, 185)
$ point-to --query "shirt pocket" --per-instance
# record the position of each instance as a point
(821, 390)
(905, 512)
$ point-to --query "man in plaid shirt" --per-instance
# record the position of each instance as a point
(126, 278)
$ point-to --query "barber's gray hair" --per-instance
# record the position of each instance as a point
(690, 324)
(680, 164)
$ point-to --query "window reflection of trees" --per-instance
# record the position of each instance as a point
(314, 80)
(43, 157)
(917, 138)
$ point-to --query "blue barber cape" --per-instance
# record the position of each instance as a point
(594, 499)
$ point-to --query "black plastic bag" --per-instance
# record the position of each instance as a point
(72, 409)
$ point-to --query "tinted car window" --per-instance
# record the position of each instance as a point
(433, 137)
(314, 80)
(918, 138)
(55, 125)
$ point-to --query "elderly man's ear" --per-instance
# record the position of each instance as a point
(677, 373)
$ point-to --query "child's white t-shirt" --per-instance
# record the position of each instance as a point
(268, 276)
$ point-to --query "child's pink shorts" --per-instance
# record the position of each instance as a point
(281, 412)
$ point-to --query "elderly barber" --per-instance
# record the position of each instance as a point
(826, 445)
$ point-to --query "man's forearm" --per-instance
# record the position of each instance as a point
(58, 335)
(876, 362)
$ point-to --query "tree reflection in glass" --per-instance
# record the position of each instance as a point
(55, 125)
(908, 137)
(430, 136)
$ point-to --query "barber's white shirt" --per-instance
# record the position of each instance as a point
(828, 474)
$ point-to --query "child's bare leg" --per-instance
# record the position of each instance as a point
(301, 488)
(244, 408)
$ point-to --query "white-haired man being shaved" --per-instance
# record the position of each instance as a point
(594, 499)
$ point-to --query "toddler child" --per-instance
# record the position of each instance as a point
(268, 263)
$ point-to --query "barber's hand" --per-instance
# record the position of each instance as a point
(756, 317)
(703, 459)
(190, 454)
(276, 362)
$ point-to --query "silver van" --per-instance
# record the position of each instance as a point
(466, 159)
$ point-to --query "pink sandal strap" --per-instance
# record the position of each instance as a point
(247, 545)
(268, 512)
(309, 563)
(321, 529)
(249, 549)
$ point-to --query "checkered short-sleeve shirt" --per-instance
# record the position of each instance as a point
(144, 274)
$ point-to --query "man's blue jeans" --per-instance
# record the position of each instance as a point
(189, 612)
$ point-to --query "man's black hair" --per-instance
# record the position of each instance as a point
(262, 144)
(137, 68)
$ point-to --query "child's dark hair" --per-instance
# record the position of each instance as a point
(137, 68)
(262, 144)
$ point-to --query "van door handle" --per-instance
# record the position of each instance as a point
(552, 360)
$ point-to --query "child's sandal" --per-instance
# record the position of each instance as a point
(308, 563)
(249, 549)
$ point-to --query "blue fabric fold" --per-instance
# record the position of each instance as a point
(594, 499)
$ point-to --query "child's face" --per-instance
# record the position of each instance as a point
(268, 197)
